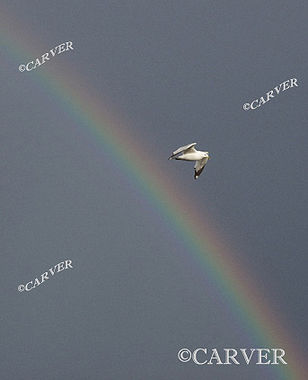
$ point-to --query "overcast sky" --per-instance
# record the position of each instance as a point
(177, 72)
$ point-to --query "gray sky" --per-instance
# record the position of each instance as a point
(178, 72)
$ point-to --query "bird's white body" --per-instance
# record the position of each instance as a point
(196, 156)
(191, 154)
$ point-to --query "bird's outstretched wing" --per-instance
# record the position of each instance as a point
(186, 149)
(199, 166)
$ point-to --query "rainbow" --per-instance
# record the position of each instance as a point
(91, 112)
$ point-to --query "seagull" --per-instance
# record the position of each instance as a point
(191, 154)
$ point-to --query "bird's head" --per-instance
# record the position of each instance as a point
(206, 154)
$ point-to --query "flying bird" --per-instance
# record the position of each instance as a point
(191, 154)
